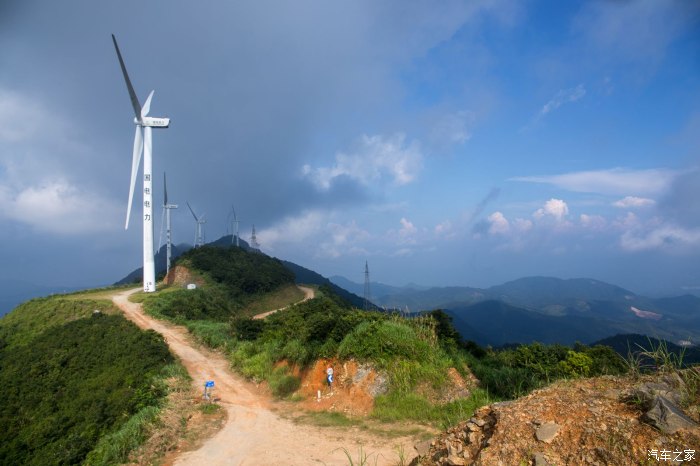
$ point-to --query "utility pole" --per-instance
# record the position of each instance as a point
(367, 293)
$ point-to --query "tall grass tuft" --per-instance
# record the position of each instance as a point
(115, 448)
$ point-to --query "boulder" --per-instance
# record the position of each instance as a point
(667, 417)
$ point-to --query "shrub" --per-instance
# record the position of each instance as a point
(283, 384)
(576, 365)
(382, 341)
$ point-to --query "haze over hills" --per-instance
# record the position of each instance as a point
(550, 310)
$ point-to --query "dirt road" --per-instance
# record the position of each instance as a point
(253, 434)
(308, 294)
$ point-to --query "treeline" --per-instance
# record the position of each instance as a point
(64, 388)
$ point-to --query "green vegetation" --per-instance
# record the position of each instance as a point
(72, 384)
(35, 316)
(237, 283)
(242, 274)
(513, 372)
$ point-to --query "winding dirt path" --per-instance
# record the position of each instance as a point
(309, 293)
(253, 434)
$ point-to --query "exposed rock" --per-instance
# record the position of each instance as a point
(667, 417)
(591, 422)
(422, 448)
(540, 460)
(453, 460)
(547, 431)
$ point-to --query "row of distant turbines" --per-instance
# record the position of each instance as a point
(143, 146)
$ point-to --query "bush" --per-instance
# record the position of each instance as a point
(283, 384)
(382, 341)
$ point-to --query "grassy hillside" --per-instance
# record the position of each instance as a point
(237, 282)
(69, 378)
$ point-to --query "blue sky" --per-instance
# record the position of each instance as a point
(452, 143)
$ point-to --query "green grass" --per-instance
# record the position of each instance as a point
(280, 298)
(411, 406)
(115, 447)
(35, 316)
(212, 334)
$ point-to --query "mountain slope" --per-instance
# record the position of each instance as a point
(496, 323)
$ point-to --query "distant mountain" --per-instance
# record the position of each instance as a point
(576, 305)
(376, 288)
(496, 323)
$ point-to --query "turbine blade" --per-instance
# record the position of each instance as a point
(165, 191)
(134, 100)
(193, 214)
(135, 161)
(147, 106)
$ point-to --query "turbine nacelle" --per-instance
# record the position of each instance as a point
(153, 122)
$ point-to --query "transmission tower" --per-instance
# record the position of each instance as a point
(254, 241)
(367, 293)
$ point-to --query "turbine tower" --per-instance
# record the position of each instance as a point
(143, 144)
(168, 236)
(254, 241)
(199, 229)
(234, 226)
(367, 293)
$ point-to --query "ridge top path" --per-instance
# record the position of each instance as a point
(253, 434)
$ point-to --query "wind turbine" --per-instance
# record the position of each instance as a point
(234, 225)
(143, 143)
(254, 241)
(199, 229)
(167, 207)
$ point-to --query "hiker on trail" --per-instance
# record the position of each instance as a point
(329, 378)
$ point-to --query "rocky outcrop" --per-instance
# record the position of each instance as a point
(598, 421)
(182, 276)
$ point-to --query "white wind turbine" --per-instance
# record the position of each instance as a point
(234, 225)
(199, 229)
(167, 207)
(143, 143)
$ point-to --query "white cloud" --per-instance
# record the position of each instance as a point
(375, 157)
(498, 224)
(615, 181)
(523, 225)
(593, 222)
(444, 229)
(555, 208)
(630, 202)
(292, 229)
(59, 207)
(316, 232)
(562, 97)
(407, 228)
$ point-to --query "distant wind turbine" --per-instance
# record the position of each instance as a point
(234, 226)
(199, 229)
(168, 237)
(143, 143)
